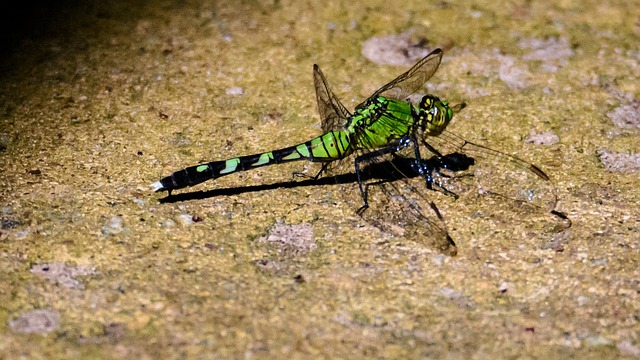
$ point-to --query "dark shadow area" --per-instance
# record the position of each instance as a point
(36, 32)
(34, 20)
(198, 195)
(386, 171)
(376, 173)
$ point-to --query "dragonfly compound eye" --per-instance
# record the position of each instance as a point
(428, 102)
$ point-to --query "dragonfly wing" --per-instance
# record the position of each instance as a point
(492, 172)
(413, 79)
(396, 205)
(333, 114)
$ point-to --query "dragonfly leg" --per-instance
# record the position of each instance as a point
(424, 169)
(431, 148)
(315, 177)
(443, 163)
(427, 171)
(362, 209)
(366, 158)
(447, 191)
(432, 184)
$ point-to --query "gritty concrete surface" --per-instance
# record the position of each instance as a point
(98, 100)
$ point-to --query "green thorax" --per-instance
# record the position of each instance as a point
(380, 120)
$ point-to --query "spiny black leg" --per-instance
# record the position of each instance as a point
(446, 191)
(431, 148)
(366, 157)
(429, 177)
(421, 166)
(366, 192)
(316, 176)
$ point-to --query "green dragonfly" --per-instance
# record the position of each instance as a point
(384, 122)
(387, 126)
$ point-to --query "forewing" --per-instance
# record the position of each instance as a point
(333, 114)
(411, 81)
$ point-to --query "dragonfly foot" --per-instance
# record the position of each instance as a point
(298, 174)
(564, 218)
(450, 247)
(449, 192)
(444, 190)
(362, 209)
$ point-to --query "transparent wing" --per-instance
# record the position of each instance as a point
(412, 80)
(491, 172)
(396, 206)
(333, 114)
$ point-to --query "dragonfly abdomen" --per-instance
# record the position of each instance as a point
(330, 146)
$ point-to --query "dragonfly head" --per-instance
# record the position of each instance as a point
(435, 114)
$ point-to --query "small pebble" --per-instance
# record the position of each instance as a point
(235, 90)
(36, 322)
(114, 226)
(185, 219)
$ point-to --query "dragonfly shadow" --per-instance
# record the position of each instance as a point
(198, 195)
(385, 171)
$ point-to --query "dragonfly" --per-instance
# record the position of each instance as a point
(384, 128)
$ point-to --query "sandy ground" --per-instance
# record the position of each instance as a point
(98, 101)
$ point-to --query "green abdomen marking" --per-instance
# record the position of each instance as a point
(327, 147)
